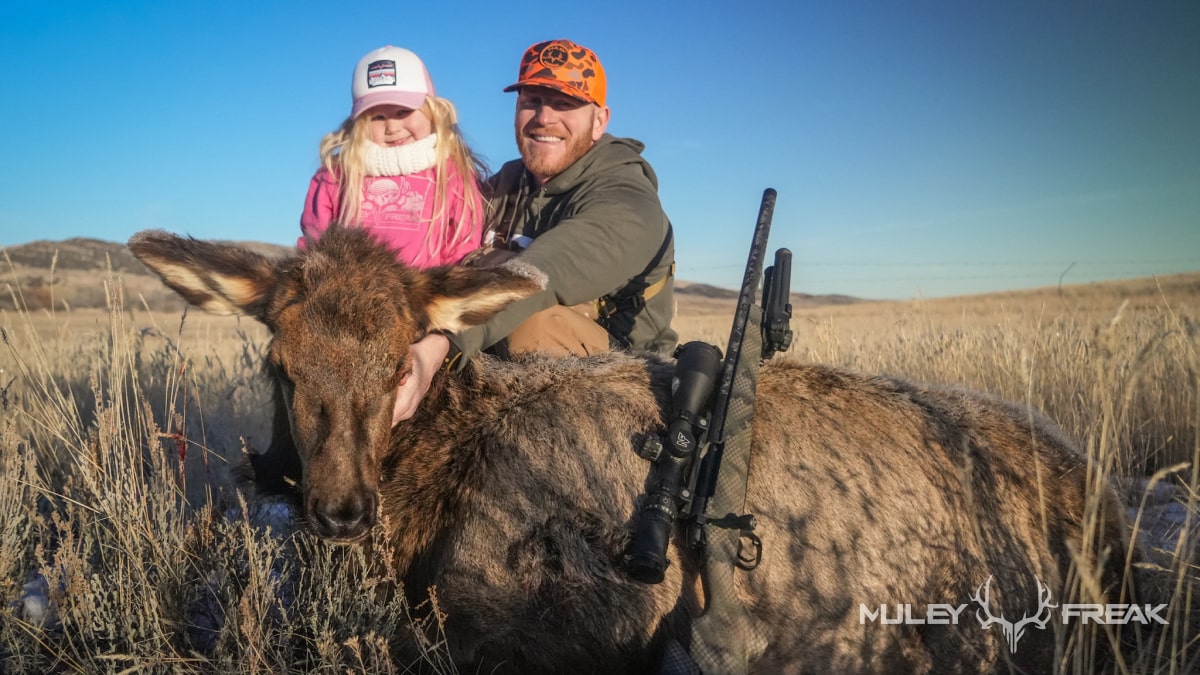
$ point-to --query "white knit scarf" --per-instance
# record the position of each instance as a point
(401, 160)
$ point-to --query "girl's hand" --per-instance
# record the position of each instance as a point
(428, 354)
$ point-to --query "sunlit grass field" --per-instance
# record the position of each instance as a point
(125, 548)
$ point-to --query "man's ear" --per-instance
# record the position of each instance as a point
(217, 278)
(600, 123)
(462, 297)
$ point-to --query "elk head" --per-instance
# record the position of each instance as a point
(343, 315)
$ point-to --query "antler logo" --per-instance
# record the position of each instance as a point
(1012, 631)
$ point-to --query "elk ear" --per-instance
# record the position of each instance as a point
(217, 278)
(462, 297)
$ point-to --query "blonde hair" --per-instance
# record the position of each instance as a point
(343, 153)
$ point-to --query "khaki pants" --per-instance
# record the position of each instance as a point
(560, 331)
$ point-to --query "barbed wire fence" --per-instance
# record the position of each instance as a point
(1051, 272)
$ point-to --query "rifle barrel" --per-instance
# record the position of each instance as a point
(754, 266)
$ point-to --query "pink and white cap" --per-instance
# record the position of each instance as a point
(390, 75)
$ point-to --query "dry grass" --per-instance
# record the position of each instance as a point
(118, 427)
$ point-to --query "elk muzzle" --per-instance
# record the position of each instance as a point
(342, 518)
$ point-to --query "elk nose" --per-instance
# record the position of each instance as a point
(345, 519)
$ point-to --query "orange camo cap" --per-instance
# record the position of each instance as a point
(563, 66)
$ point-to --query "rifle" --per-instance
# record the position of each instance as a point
(705, 412)
(750, 340)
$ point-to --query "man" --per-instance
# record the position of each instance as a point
(582, 207)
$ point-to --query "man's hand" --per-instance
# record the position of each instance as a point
(428, 354)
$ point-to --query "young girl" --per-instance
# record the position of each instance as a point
(398, 167)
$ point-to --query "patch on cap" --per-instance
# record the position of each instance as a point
(554, 55)
(381, 73)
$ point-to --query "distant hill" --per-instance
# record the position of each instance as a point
(687, 288)
(75, 254)
(704, 290)
(81, 253)
(73, 271)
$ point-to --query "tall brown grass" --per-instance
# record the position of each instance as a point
(125, 548)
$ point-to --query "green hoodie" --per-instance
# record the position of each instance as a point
(598, 229)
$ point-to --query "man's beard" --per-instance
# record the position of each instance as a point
(548, 167)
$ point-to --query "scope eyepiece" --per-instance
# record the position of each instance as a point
(647, 559)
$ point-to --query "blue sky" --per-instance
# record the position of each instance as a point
(919, 148)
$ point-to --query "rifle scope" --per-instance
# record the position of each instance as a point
(697, 367)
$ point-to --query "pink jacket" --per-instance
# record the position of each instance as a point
(397, 211)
